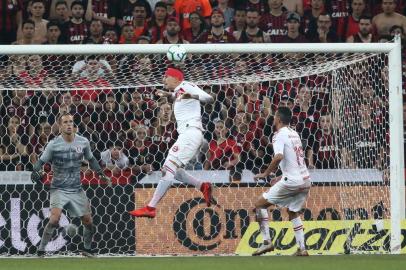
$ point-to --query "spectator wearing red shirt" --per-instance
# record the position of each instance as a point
(92, 81)
(157, 24)
(239, 21)
(13, 152)
(305, 114)
(39, 141)
(259, 5)
(139, 111)
(164, 133)
(197, 28)
(61, 12)
(252, 33)
(127, 35)
(140, 149)
(172, 33)
(21, 108)
(338, 9)
(224, 153)
(349, 26)
(139, 21)
(274, 22)
(111, 34)
(324, 32)
(364, 35)
(170, 8)
(217, 33)
(309, 23)
(76, 30)
(185, 7)
(35, 74)
(293, 25)
(10, 18)
(104, 11)
(96, 34)
(324, 152)
(125, 11)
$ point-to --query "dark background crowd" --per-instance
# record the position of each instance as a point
(132, 129)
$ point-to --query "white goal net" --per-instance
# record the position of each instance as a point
(340, 103)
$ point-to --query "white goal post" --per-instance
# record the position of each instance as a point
(393, 50)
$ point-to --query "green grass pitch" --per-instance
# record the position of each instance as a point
(344, 262)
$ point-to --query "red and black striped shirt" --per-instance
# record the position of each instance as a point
(76, 33)
(104, 8)
(8, 15)
(274, 26)
(260, 6)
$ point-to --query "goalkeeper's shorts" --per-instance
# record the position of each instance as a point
(77, 204)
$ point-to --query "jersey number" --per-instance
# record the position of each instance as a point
(299, 155)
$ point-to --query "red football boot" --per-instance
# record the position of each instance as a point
(146, 211)
(206, 189)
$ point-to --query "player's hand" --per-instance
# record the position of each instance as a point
(36, 177)
(105, 178)
(161, 93)
(260, 176)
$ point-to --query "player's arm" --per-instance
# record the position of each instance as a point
(195, 92)
(37, 173)
(278, 147)
(94, 165)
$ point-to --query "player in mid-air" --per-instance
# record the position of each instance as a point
(292, 189)
(66, 153)
(187, 98)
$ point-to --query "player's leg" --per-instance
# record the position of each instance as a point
(49, 229)
(187, 147)
(262, 217)
(88, 231)
(297, 224)
(79, 206)
(168, 175)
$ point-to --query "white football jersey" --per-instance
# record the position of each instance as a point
(288, 143)
(188, 111)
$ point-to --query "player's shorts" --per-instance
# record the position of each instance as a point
(186, 146)
(291, 197)
(77, 204)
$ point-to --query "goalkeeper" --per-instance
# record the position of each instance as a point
(66, 153)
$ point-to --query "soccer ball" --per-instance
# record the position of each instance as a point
(71, 230)
(176, 53)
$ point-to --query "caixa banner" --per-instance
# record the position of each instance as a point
(24, 211)
(184, 225)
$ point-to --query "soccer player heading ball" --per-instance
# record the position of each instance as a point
(293, 187)
(187, 98)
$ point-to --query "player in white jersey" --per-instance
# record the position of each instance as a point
(292, 189)
(187, 98)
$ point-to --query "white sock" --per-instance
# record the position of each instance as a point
(186, 178)
(263, 220)
(299, 233)
(163, 185)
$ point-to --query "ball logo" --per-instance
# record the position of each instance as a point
(79, 149)
(175, 148)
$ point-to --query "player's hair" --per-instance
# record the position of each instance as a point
(27, 21)
(285, 114)
(62, 115)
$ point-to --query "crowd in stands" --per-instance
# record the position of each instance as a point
(132, 129)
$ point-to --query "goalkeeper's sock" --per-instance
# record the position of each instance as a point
(263, 220)
(47, 235)
(88, 232)
(299, 233)
(186, 178)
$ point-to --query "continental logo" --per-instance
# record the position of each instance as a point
(184, 225)
(325, 237)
